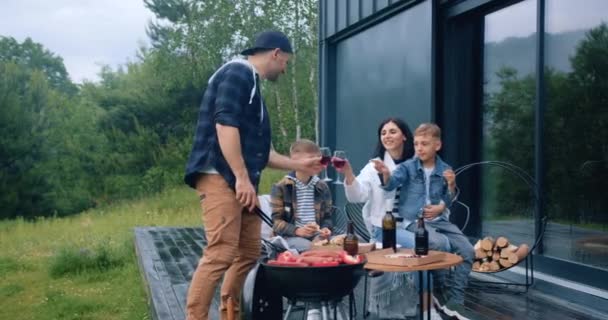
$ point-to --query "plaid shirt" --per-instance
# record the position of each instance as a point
(283, 201)
(228, 101)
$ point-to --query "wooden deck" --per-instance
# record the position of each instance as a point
(168, 257)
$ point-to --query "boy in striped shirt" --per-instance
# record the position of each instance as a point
(301, 203)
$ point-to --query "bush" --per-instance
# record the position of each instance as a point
(72, 260)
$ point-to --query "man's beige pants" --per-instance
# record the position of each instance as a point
(233, 247)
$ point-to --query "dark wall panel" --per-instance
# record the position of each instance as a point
(340, 14)
(354, 7)
(383, 71)
(342, 9)
(330, 16)
(381, 4)
(367, 8)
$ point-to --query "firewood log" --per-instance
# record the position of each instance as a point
(487, 243)
(502, 242)
(484, 267)
(522, 252)
(480, 253)
(504, 252)
(476, 265)
(505, 263)
(495, 256)
(494, 266)
(477, 245)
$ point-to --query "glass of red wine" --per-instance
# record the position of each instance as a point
(325, 160)
(338, 160)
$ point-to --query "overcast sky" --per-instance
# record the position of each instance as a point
(88, 33)
(85, 33)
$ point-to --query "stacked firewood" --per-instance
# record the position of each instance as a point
(495, 255)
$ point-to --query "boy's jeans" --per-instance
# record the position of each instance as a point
(460, 245)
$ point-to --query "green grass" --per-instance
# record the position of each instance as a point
(84, 266)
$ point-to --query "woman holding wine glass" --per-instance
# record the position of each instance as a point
(395, 145)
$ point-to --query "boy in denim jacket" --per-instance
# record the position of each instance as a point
(427, 181)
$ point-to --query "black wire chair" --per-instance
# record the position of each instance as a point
(354, 214)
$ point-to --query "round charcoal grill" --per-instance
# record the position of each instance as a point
(266, 284)
(325, 285)
(313, 284)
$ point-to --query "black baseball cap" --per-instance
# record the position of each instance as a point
(269, 40)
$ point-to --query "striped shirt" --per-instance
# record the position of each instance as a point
(305, 195)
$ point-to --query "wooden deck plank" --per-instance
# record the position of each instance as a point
(168, 256)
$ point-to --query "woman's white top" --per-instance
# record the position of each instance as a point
(367, 188)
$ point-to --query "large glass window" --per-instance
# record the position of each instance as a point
(576, 130)
(509, 91)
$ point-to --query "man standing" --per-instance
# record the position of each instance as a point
(231, 147)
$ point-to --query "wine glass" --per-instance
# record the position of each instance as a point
(325, 160)
(338, 161)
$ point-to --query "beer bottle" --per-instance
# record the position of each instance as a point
(351, 242)
(389, 231)
(422, 239)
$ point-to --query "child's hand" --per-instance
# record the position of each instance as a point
(325, 233)
(450, 178)
(431, 211)
(306, 231)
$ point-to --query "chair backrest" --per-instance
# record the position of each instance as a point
(266, 230)
(354, 214)
(340, 220)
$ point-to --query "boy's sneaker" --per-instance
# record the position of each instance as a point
(434, 315)
(457, 311)
(440, 298)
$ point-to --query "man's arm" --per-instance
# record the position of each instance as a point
(279, 161)
(229, 140)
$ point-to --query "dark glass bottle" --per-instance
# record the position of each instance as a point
(389, 231)
(351, 242)
(422, 239)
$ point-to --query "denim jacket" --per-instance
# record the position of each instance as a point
(410, 175)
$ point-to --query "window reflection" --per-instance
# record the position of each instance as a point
(576, 130)
(508, 121)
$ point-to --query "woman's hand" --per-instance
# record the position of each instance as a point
(347, 171)
(382, 169)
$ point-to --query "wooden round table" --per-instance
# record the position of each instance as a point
(449, 260)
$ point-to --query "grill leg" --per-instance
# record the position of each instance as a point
(365, 312)
(324, 311)
(289, 306)
(305, 314)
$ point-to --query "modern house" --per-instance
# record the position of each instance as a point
(521, 82)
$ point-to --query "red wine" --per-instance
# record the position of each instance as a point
(338, 163)
(325, 160)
